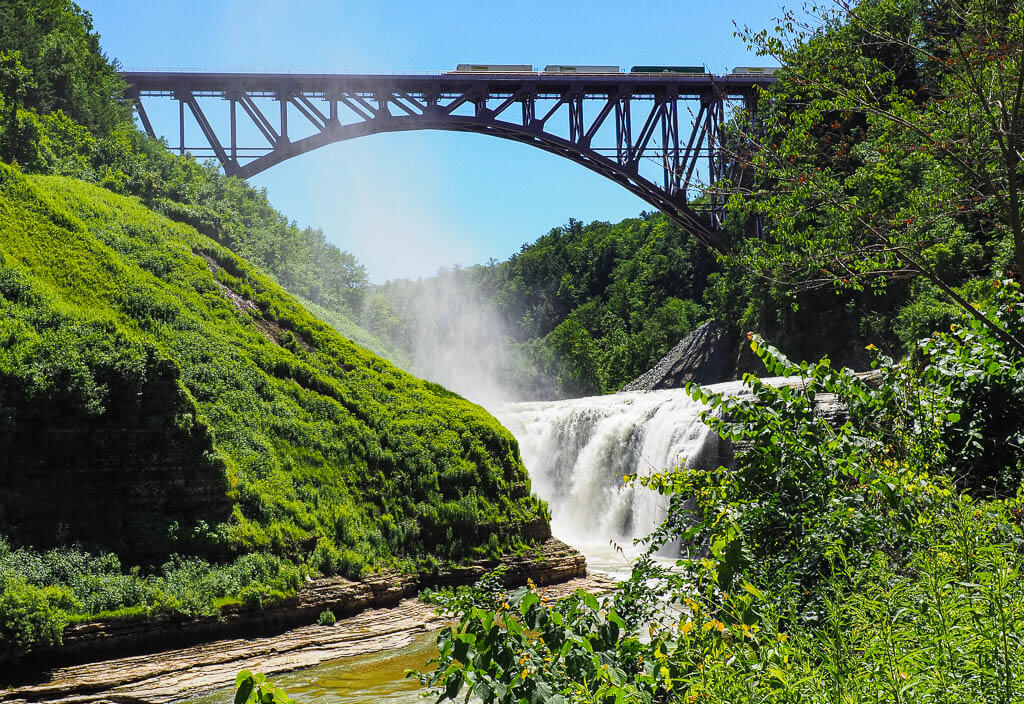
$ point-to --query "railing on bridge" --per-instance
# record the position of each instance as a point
(658, 135)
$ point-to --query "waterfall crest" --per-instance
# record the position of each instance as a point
(577, 451)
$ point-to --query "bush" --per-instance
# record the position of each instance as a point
(32, 617)
(326, 618)
(834, 560)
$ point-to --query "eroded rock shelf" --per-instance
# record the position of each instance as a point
(386, 616)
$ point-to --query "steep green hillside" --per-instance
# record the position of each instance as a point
(157, 393)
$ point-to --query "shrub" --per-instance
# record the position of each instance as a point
(327, 618)
(834, 561)
(32, 617)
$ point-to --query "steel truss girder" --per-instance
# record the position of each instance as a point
(378, 104)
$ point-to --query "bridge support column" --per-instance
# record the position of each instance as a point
(283, 100)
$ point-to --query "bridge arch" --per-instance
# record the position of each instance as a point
(525, 108)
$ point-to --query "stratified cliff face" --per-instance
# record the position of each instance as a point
(158, 394)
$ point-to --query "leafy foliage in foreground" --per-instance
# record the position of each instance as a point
(873, 558)
(118, 323)
(939, 628)
(254, 688)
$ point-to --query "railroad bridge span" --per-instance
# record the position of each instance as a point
(657, 135)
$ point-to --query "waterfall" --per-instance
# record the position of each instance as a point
(577, 451)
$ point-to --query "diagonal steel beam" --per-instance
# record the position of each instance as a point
(657, 113)
(606, 110)
(700, 130)
(143, 116)
(211, 136)
(259, 119)
(310, 111)
(366, 115)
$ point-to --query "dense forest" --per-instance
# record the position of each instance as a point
(177, 432)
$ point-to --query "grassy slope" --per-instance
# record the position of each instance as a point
(354, 332)
(319, 439)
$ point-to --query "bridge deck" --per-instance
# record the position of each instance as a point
(494, 84)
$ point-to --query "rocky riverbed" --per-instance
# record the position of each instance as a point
(149, 672)
(184, 672)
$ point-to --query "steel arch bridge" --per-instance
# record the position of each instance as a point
(654, 134)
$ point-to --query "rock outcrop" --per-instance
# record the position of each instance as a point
(185, 672)
(551, 562)
(702, 357)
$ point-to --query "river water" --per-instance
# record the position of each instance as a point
(576, 452)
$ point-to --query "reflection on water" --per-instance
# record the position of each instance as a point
(365, 679)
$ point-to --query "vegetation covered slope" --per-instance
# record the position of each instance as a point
(118, 320)
(177, 432)
(63, 111)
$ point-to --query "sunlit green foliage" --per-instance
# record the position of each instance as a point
(67, 70)
(111, 314)
(253, 688)
(890, 152)
(832, 561)
(187, 408)
(940, 627)
(99, 585)
(64, 113)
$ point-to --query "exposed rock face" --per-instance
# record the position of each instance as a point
(702, 357)
(552, 562)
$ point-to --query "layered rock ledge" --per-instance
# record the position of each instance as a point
(702, 357)
(162, 661)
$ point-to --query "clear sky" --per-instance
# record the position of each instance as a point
(408, 203)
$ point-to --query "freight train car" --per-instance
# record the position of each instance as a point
(561, 68)
(755, 70)
(700, 70)
(494, 68)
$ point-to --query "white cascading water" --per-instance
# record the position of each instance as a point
(577, 451)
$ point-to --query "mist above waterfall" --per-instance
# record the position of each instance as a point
(449, 332)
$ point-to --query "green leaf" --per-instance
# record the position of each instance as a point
(752, 590)
(528, 600)
(245, 686)
(453, 685)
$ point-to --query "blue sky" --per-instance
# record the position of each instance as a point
(408, 203)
